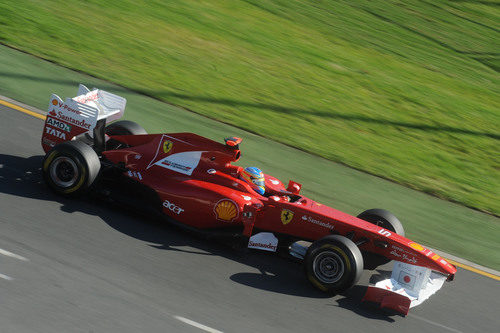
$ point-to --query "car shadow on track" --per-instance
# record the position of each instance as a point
(351, 300)
(22, 177)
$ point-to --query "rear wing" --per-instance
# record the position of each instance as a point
(89, 111)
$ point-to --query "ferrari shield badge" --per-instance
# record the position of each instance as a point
(167, 146)
(286, 216)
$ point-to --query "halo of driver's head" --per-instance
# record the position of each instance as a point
(255, 177)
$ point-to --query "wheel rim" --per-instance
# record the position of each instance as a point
(328, 267)
(64, 172)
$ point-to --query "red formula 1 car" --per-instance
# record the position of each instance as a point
(192, 181)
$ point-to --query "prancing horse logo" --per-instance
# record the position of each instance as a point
(286, 216)
(167, 146)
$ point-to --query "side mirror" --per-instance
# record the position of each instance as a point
(294, 187)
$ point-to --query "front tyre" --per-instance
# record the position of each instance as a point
(333, 264)
(385, 219)
(70, 168)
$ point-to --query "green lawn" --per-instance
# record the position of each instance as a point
(406, 90)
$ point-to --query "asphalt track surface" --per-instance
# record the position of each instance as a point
(81, 266)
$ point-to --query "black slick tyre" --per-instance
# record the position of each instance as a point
(333, 264)
(70, 168)
(386, 220)
(125, 127)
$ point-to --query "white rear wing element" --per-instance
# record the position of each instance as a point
(80, 114)
(109, 106)
(88, 107)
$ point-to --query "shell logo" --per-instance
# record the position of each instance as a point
(417, 247)
(54, 102)
(226, 210)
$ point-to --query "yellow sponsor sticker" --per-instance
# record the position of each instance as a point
(417, 246)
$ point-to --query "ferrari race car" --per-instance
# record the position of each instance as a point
(192, 182)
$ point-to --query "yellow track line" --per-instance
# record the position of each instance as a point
(18, 108)
(467, 267)
(475, 270)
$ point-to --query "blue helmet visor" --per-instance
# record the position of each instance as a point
(258, 181)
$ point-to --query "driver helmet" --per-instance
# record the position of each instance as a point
(255, 177)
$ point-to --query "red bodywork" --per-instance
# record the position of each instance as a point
(198, 186)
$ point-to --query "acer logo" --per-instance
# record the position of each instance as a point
(176, 209)
(54, 132)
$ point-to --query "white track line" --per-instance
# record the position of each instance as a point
(197, 325)
(434, 323)
(12, 255)
(5, 277)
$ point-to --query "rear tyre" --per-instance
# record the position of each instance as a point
(70, 168)
(386, 220)
(122, 127)
(125, 127)
(333, 264)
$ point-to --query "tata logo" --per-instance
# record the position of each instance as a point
(59, 124)
(167, 146)
(54, 132)
(286, 216)
(169, 205)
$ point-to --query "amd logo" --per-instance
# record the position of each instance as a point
(59, 124)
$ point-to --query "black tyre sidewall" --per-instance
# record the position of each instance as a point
(87, 163)
(348, 253)
(125, 127)
(389, 222)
